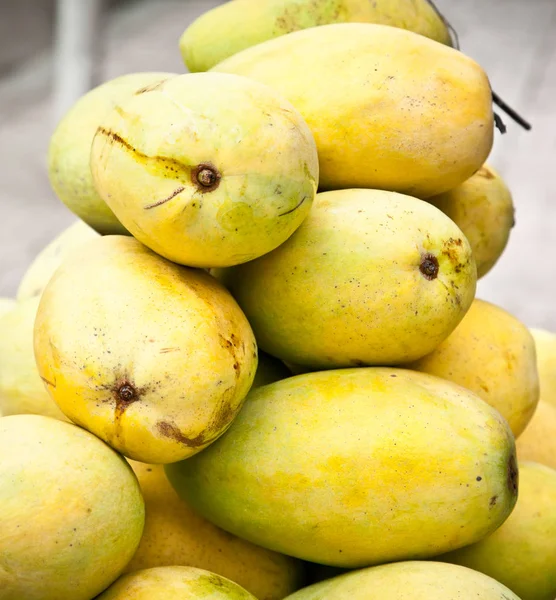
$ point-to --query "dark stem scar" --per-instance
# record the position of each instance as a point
(429, 266)
(294, 208)
(206, 177)
(48, 382)
(161, 202)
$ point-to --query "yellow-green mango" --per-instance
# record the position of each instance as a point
(389, 109)
(234, 26)
(21, 388)
(207, 169)
(492, 354)
(174, 583)
(483, 208)
(538, 442)
(154, 358)
(412, 580)
(521, 553)
(176, 535)
(370, 277)
(50, 258)
(71, 511)
(70, 148)
(6, 305)
(269, 370)
(545, 343)
(356, 467)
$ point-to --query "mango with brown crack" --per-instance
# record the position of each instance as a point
(152, 357)
(207, 169)
(370, 278)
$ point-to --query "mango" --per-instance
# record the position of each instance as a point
(545, 343)
(370, 277)
(174, 583)
(207, 169)
(356, 467)
(21, 388)
(538, 442)
(389, 109)
(71, 512)
(492, 354)
(234, 26)
(70, 148)
(269, 370)
(50, 258)
(6, 305)
(412, 580)
(153, 358)
(483, 208)
(175, 534)
(521, 553)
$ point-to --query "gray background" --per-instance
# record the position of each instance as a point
(514, 40)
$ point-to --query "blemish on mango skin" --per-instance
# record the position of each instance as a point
(429, 266)
(513, 475)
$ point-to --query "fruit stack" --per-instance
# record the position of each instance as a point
(256, 366)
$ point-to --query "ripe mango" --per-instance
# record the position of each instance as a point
(389, 109)
(482, 207)
(545, 343)
(412, 580)
(50, 258)
(175, 535)
(356, 467)
(492, 354)
(207, 169)
(370, 277)
(70, 148)
(153, 358)
(521, 553)
(234, 26)
(538, 442)
(174, 583)
(21, 388)
(71, 512)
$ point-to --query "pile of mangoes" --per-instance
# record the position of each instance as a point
(256, 366)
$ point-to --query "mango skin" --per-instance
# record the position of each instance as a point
(538, 442)
(482, 207)
(153, 358)
(6, 305)
(146, 153)
(175, 534)
(174, 583)
(545, 343)
(492, 354)
(403, 465)
(520, 554)
(70, 148)
(389, 109)
(71, 511)
(411, 580)
(21, 388)
(234, 26)
(51, 257)
(347, 290)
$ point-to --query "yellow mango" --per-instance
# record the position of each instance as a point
(153, 358)
(174, 583)
(207, 169)
(356, 467)
(176, 535)
(482, 207)
(521, 553)
(370, 277)
(71, 512)
(389, 109)
(538, 442)
(412, 580)
(21, 388)
(50, 258)
(6, 305)
(492, 354)
(70, 148)
(234, 26)
(545, 343)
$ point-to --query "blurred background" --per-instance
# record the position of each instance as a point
(50, 49)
